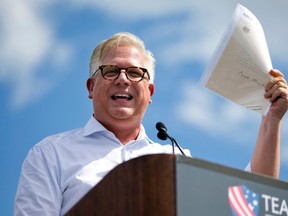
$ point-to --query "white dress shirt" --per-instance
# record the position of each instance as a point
(62, 168)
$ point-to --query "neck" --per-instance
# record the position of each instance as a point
(126, 136)
(124, 131)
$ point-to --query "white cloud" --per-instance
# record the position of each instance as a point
(24, 37)
(204, 26)
(135, 10)
(201, 109)
(26, 40)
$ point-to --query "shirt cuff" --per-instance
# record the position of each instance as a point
(248, 167)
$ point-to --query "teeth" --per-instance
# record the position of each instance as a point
(121, 96)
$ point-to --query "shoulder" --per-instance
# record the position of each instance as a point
(59, 137)
(167, 148)
(54, 143)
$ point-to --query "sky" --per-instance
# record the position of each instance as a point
(44, 57)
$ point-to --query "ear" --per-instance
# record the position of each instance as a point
(90, 86)
(151, 89)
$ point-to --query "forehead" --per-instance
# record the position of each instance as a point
(124, 56)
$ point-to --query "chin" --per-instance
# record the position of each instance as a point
(123, 113)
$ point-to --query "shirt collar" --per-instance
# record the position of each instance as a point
(93, 126)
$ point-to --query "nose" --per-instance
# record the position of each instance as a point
(122, 78)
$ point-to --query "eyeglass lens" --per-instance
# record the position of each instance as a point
(112, 72)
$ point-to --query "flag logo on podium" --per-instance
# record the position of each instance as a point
(243, 201)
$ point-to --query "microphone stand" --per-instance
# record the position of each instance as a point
(163, 135)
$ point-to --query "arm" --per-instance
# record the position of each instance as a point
(38, 192)
(266, 157)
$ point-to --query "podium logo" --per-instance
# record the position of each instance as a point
(243, 201)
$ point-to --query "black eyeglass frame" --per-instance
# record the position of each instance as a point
(144, 70)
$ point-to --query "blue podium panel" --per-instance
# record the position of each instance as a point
(204, 188)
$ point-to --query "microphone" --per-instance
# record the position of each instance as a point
(161, 127)
(162, 131)
(163, 135)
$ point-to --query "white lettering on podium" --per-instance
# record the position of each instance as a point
(274, 205)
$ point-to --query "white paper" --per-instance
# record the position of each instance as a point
(239, 68)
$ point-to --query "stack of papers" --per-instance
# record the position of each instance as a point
(239, 69)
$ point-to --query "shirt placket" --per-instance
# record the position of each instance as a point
(125, 153)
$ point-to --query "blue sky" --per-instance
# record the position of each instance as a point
(45, 51)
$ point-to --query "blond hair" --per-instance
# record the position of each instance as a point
(119, 39)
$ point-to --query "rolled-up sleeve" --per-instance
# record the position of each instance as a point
(248, 167)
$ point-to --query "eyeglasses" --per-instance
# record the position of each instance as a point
(112, 72)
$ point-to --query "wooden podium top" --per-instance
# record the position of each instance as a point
(165, 184)
(142, 186)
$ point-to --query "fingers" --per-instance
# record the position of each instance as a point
(275, 72)
(277, 87)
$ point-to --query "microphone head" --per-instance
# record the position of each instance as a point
(161, 127)
(162, 135)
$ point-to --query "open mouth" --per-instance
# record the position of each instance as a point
(121, 97)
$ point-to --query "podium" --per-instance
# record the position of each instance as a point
(165, 184)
